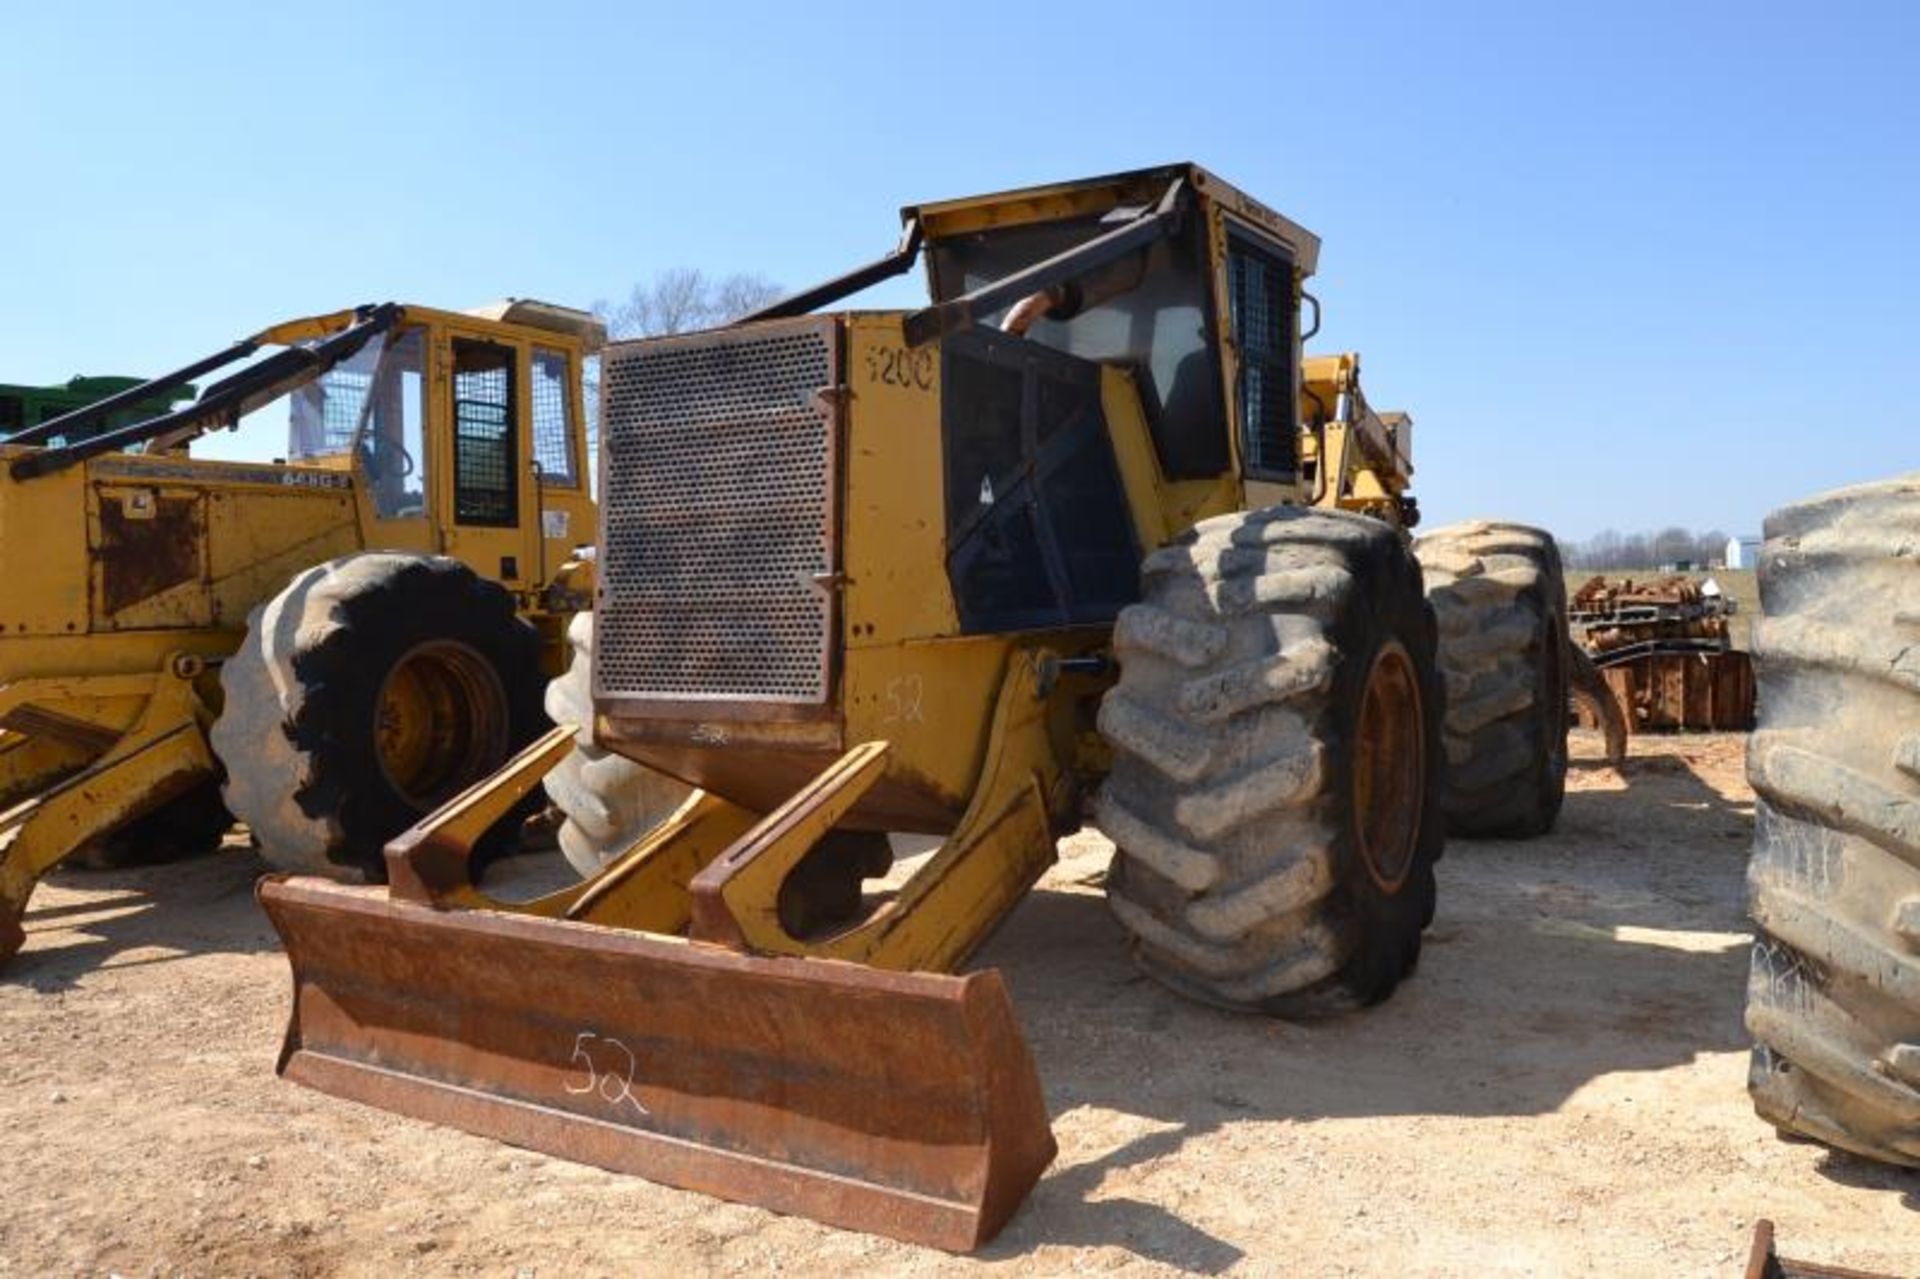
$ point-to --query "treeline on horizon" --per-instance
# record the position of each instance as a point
(1611, 549)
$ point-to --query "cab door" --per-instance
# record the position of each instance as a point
(396, 474)
(565, 505)
(488, 516)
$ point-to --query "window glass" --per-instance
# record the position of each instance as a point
(324, 415)
(485, 466)
(392, 440)
(553, 420)
(590, 399)
(1154, 318)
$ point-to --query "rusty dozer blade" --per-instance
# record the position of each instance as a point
(905, 1104)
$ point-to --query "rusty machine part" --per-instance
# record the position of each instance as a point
(1596, 704)
(1622, 619)
(1683, 692)
(1763, 1262)
(927, 1123)
(1662, 649)
(867, 573)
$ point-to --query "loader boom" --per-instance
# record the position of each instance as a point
(223, 404)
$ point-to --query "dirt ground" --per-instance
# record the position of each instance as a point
(1558, 1091)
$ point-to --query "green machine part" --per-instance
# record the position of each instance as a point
(22, 407)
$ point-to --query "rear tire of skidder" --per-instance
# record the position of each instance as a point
(1274, 796)
(1500, 598)
(607, 801)
(367, 692)
(1833, 1000)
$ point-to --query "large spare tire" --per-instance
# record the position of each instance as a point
(607, 801)
(1274, 791)
(1500, 597)
(1833, 1002)
(366, 693)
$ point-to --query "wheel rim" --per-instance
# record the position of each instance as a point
(1390, 768)
(440, 722)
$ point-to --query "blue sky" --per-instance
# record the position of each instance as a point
(1627, 264)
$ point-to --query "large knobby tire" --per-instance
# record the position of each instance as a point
(1274, 796)
(1500, 598)
(607, 801)
(1833, 1002)
(369, 691)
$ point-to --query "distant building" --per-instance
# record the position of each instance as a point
(1743, 552)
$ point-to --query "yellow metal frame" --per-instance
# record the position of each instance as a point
(104, 701)
(715, 869)
(160, 754)
(985, 737)
(1359, 460)
(910, 686)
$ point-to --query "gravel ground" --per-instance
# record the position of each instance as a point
(1559, 1090)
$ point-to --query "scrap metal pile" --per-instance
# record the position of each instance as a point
(1663, 648)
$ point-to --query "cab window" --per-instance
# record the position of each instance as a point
(553, 432)
(1157, 322)
(486, 466)
(391, 442)
(323, 416)
(1261, 304)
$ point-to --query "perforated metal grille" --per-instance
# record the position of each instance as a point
(718, 517)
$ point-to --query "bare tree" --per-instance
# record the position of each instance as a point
(1710, 547)
(1672, 545)
(683, 298)
(741, 294)
(676, 300)
(1608, 550)
(1602, 550)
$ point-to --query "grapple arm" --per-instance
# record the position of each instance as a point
(224, 403)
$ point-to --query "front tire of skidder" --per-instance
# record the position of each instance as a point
(366, 693)
(1500, 597)
(607, 801)
(1833, 999)
(1274, 797)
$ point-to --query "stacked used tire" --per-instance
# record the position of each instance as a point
(1833, 999)
(607, 802)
